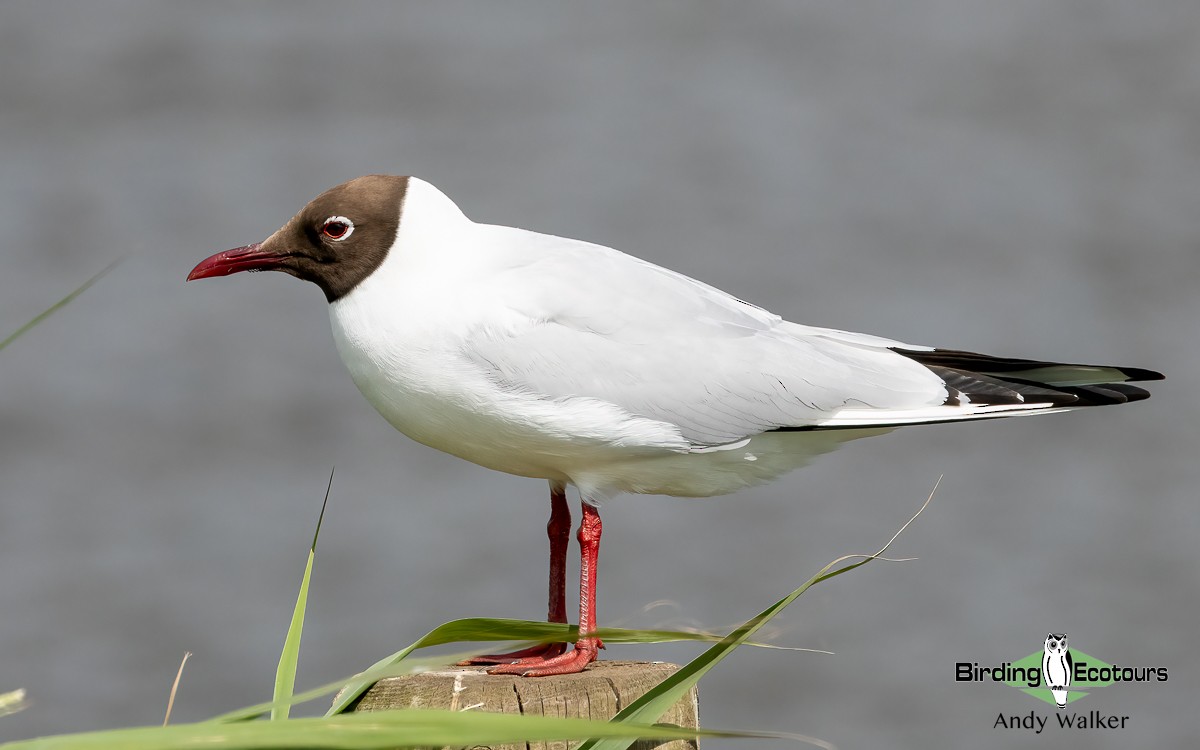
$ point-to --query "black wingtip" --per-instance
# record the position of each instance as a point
(1139, 374)
(1112, 393)
(1109, 393)
(999, 380)
(986, 363)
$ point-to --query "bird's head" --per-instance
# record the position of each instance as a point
(335, 241)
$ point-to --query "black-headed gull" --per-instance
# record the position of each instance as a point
(554, 358)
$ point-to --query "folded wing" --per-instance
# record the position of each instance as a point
(593, 323)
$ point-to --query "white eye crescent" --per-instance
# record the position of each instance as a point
(337, 228)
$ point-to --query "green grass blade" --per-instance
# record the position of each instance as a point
(651, 706)
(366, 731)
(285, 673)
(58, 305)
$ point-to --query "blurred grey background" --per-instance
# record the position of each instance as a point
(1021, 178)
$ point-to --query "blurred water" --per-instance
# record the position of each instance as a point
(1020, 178)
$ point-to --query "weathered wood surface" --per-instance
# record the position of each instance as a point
(597, 693)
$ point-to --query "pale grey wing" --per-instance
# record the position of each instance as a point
(575, 320)
(715, 390)
(594, 323)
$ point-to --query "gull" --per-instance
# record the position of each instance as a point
(553, 358)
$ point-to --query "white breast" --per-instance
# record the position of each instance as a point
(402, 333)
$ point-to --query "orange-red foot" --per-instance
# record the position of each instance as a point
(573, 661)
(533, 655)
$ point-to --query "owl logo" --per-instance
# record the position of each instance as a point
(1057, 667)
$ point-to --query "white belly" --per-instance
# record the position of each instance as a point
(440, 417)
(427, 390)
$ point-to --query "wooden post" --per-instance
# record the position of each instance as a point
(599, 692)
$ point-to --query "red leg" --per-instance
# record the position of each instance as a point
(559, 531)
(586, 647)
(558, 528)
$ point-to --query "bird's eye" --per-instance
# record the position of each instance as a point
(337, 228)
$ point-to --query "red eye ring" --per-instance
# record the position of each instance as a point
(337, 228)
